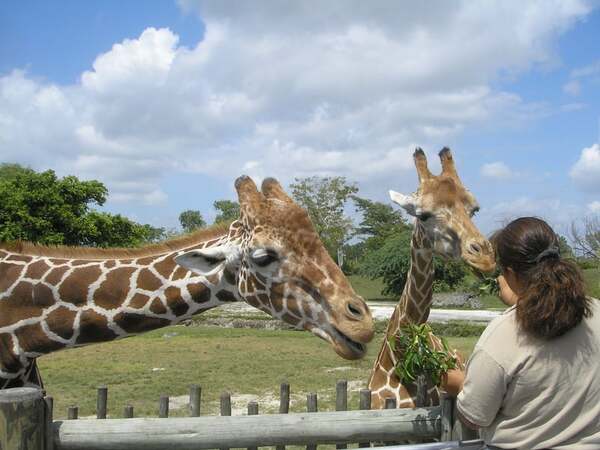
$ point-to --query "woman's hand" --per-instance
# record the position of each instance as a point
(506, 294)
(452, 381)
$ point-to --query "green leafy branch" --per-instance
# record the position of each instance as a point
(418, 357)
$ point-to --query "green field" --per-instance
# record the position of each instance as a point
(249, 362)
(592, 280)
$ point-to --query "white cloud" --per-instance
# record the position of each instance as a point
(587, 71)
(573, 87)
(285, 89)
(586, 171)
(497, 170)
(594, 207)
(556, 212)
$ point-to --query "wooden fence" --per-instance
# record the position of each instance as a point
(26, 423)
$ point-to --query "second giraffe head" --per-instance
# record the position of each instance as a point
(445, 209)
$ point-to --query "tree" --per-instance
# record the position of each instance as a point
(108, 230)
(191, 220)
(325, 199)
(227, 211)
(42, 208)
(566, 251)
(379, 221)
(586, 237)
(391, 263)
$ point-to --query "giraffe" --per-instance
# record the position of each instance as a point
(443, 209)
(53, 298)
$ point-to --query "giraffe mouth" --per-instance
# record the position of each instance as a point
(352, 348)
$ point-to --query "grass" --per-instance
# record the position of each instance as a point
(369, 289)
(241, 361)
(592, 280)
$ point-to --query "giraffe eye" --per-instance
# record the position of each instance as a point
(425, 216)
(474, 211)
(263, 258)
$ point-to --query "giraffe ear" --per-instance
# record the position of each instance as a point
(408, 202)
(206, 261)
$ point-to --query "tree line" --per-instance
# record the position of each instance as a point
(43, 208)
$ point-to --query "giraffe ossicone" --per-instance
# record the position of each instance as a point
(53, 298)
(443, 209)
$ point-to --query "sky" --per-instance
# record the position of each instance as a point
(167, 103)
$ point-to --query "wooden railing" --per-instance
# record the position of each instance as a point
(26, 422)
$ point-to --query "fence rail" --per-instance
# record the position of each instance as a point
(26, 414)
(190, 433)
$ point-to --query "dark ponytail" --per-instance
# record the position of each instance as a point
(553, 300)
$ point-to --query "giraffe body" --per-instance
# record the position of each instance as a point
(442, 208)
(56, 298)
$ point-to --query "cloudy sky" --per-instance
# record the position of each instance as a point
(168, 102)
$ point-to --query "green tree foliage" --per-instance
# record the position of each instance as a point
(391, 263)
(227, 211)
(191, 220)
(325, 199)
(40, 207)
(379, 221)
(566, 251)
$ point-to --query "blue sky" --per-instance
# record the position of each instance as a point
(167, 102)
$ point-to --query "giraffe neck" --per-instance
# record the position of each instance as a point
(415, 301)
(413, 307)
(49, 303)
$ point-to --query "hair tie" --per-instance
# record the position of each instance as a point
(551, 251)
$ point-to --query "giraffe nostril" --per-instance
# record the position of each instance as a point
(354, 310)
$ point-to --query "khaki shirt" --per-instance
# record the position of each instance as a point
(528, 393)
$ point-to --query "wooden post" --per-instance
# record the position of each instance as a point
(22, 419)
(128, 412)
(102, 402)
(163, 407)
(225, 407)
(49, 420)
(284, 398)
(446, 402)
(311, 406)
(284, 404)
(365, 403)
(252, 411)
(421, 398)
(72, 413)
(390, 403)
(195, 398)
(341, 402)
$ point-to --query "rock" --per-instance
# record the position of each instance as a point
(456, 300)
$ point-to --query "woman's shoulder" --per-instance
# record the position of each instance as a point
(500, 337)
(501, 327)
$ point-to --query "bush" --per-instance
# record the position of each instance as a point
(391, 263)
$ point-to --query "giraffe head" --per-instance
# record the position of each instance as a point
(281, 267)
(445, 208)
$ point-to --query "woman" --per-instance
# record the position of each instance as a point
(533, 380)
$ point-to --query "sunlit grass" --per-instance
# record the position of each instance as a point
(242, 361)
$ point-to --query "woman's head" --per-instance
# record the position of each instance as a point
(551, 290)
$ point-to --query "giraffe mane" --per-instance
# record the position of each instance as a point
(69, 252)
